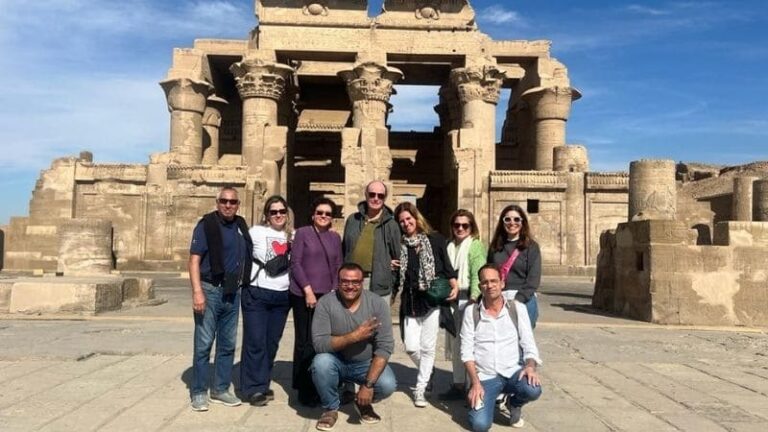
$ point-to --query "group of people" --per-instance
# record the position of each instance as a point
(340, 291)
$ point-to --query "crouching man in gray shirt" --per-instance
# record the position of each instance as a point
(352, 335)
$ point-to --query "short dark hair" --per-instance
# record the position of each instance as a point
(488, 266)
(347, 266)
(323, 201)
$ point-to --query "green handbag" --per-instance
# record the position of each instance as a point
(438, 291)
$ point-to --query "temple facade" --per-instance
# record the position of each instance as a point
(300, 108)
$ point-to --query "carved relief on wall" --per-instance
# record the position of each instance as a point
(478, 83)
(256, 78)
(315, 8)
(428, 10)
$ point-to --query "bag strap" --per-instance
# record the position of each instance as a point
(259, 263)
(507, 266)
(511, 308)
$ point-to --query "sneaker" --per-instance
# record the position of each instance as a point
(258, 399)
(419, 400)
(515, 416)
(270, 394)
(327, 420)
(367, 414)
(200, 402)
(226, 398)
(453, 393)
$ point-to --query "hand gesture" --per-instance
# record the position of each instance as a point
(309, 297)
(367, 329)
(475, 394)
(364, 395)
(198, 302)
(530, 373)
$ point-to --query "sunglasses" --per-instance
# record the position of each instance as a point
(278, 212)
(509, 220)
(464, 226)
(224, 201)
(372, 195)
(323, 213)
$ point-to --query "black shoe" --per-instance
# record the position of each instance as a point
(270, 394)
(258, 399)
(453, 393)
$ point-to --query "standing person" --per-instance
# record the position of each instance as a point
(371, 240)
(352, 334)
(219, 262)
(315, 262)
(518, 258)
(423, 258)
(265, 302)
(467, 254)
(495, 336)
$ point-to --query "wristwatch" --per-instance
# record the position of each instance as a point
(369, 384)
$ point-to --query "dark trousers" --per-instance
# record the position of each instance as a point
(303, 350)
(264, 315)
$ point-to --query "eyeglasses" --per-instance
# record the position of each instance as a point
(224, 201)
(372, 195)
(464, 226)
(281, 211)
(323, 213)
(509, 220)
(350, 282)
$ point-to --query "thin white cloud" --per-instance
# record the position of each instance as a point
(498, 14)
(644, 10)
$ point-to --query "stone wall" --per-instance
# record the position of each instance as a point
(653, 271)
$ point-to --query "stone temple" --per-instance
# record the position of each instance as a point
(300, 108)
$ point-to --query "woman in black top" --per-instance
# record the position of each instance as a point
(423, 258)
(513, 233)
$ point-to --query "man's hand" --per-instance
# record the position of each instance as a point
(364, 395)
(366, 330)
(198, 301)
(530, 373)
(476, 393)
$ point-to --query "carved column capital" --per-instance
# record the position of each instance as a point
(371, 81)
(550, 102)
(259, 78)
(212, 114)
(478, 83)
(186, 94)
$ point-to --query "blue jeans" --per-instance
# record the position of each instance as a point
(519, 391)
(218, 321)
(264, 314)
(533, 310)
(329, 370)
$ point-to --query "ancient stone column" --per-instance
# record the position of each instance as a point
(652, 190)
(575, 223)
(743, 198)
(261, 84)
(571, 158)
(186, 102)
(550, 109)
(478, 88)
(761, 200)
(211, 125)
(365, 147)
(85, 247)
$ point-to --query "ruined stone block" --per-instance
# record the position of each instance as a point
(138, 289)
(89, 296)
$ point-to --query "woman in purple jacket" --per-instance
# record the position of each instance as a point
(315, 261)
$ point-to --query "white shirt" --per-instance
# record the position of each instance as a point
(495, 345)
(267, 243)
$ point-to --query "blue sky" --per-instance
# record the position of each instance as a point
(684, 80)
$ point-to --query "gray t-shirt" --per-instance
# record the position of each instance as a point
(333, 319)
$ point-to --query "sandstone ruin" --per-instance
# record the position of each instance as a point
(300, 108)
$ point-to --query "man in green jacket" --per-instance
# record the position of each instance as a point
(372, 240)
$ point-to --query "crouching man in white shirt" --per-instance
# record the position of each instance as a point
(494, 334)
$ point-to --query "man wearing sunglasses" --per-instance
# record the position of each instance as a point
(219, 257)
(372, 240)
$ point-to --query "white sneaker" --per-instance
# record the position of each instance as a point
(419, 400)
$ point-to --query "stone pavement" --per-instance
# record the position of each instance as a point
(129, 371)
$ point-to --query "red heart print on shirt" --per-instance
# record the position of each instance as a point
(279, 248)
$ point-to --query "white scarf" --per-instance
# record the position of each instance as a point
(459, 257)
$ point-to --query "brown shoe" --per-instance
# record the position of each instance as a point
(367, 414)
(327, 420)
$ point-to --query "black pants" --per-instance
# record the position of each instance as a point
(303, 351)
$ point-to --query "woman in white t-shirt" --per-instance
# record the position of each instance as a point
(266, 302)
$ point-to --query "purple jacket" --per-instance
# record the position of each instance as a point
(308, 263)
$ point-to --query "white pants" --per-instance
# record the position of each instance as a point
(420, 343)
(459, 373)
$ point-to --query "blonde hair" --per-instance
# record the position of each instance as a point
(288, 228)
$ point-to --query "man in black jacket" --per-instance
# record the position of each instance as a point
(219, 264)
